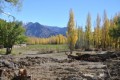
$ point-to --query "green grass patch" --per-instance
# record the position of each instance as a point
(40, 48)
(47, 47)
(2, 51)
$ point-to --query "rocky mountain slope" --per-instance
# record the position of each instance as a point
(43, 31)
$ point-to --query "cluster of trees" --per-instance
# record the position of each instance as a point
(105, 36)
(58, 39)
(115, 31)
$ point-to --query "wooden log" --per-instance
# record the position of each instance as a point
(22, 75)
(22, 72)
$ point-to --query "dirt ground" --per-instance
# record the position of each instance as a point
(52, 66)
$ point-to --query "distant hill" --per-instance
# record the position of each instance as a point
(43, 31)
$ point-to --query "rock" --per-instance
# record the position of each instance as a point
(6, 63)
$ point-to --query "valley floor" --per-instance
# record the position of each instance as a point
(56, 66)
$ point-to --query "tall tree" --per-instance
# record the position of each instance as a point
(97, 32)
(80, 41)
(105, 31)
(113, 41)
(10, 34)
(88, 31)
(95, 37)
(115, 30)
(72, 32)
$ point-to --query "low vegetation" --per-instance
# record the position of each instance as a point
(39, 48)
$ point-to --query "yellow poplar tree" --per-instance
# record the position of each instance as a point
(105, 31)
(72, 32)
(88, 33)
(98, 32)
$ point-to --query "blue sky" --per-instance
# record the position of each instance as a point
(56, 12)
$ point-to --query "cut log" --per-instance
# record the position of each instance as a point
(22, 75)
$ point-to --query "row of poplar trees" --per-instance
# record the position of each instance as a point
(58, 39)
(105, 35)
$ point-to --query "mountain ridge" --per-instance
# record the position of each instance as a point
(43, 31)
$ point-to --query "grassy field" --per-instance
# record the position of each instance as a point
(39, 48)
(46, 47)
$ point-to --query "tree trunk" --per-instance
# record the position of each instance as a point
(119, 43)
(116, 43)
(70, 51)
(88, 44)
(104, 46)
(8, 50)
(94, 44)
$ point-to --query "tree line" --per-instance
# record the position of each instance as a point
(58, 39)
(105, 35)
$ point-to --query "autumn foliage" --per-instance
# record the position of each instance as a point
(71, 33)
(105, 34)
(58, 39)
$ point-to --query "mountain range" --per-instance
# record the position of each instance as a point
(42, 31)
